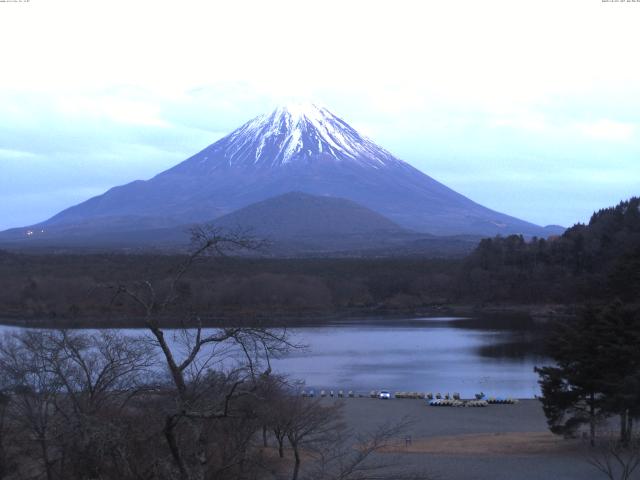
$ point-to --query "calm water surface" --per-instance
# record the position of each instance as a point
(495, 356)
(445, 354)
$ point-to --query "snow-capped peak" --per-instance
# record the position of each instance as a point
(299, 132)
(302, 110)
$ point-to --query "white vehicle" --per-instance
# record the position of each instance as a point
(384, 395)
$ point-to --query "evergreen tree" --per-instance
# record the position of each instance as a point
(572, 393)
(597, 371)
(621, 384)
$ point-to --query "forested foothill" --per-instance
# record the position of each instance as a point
(595, 262)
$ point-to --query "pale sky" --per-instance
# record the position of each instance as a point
(531, 107)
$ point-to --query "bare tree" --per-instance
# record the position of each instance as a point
(34, 391)
(271, 392)
(195, 351)
(279, 422)
(615, 459)
(67, 393)
(98, 369)
(5, 465)
(350, 456)
(309, 424)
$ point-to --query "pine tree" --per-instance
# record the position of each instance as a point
(597, 372)
(572, 391)
(621, 334)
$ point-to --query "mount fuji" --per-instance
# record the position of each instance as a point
(296, 148)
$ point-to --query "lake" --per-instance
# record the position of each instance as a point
(445, 354)
(495, 355)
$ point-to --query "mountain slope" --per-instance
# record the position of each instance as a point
(295, 148)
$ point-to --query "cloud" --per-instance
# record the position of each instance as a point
(13, 154)
(112, 108)
(606, 129)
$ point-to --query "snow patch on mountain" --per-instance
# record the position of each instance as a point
(295, 132)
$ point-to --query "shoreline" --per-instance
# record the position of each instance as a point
(539, 313)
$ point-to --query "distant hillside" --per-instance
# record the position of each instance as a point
(293, 224)
(300, 215)
(299, 224)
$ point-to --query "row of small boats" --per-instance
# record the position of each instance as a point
(436, 400)
(472, 403)
(333, 393)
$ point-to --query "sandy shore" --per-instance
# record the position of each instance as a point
(493, 443)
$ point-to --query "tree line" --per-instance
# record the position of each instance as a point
(597, 261)
(64, 288)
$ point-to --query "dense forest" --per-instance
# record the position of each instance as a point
(75, 286)
(594, 262)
